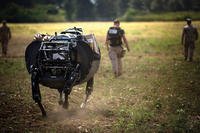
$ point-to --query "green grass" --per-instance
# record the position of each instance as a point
(158, 91)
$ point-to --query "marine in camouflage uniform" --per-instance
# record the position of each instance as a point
(114, 38)
(189, 36)
(5, 36)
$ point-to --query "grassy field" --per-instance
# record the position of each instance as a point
(158, 91)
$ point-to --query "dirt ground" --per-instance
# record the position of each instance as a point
(158, 91)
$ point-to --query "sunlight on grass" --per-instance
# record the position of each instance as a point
(144, 33)
(158, 91)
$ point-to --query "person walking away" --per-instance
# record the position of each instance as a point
(114, 38)
(5, 36)
(189, 36)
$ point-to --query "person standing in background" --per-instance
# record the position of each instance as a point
(114, 38)
(189, 36)
(5, 36)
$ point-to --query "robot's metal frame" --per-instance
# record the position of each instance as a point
(58, 66)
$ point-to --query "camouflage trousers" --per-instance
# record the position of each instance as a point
(189, 50)
(116, 59)
(4, 44)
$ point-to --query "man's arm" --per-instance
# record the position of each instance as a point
(107, 42)
(0, 34)
(183, 36)
(126, 42)
(197, 34)
(9, 33)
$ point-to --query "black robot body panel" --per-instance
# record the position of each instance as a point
(31, 53)
(56, 58)
(61, 62)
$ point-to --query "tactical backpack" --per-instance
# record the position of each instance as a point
(114, 36)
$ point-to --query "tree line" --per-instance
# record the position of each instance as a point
(88, 10)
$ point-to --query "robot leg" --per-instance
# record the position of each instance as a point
(89, 89)
(36, 95)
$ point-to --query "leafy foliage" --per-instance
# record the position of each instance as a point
(87, 10)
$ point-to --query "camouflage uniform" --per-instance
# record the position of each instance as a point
(114, 35)
(189, 36)
(5, 36)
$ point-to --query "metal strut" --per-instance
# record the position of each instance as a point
(71, 80)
